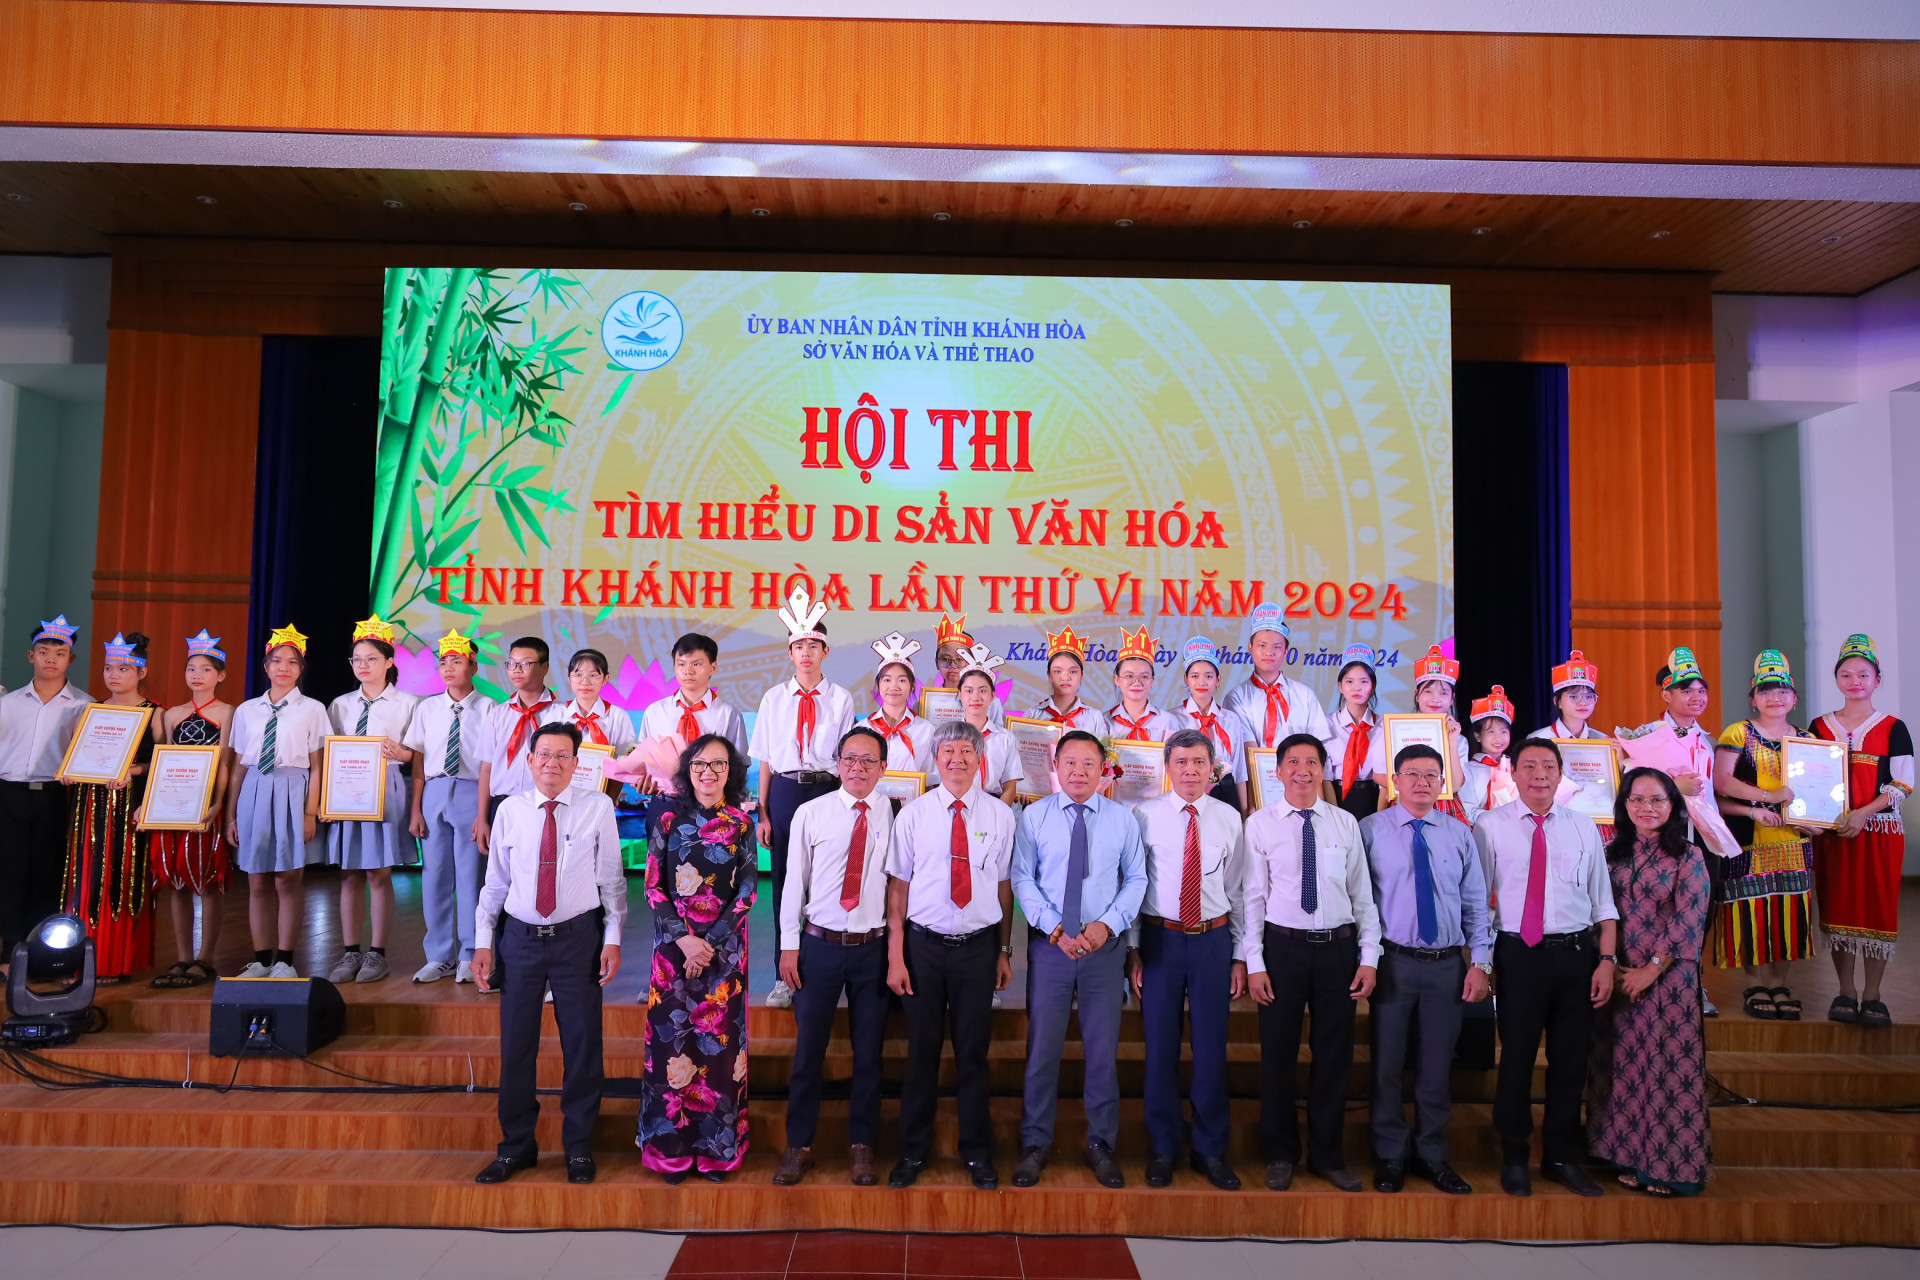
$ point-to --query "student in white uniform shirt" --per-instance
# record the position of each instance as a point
(1576, 692)
(1351, 784)
(1066, 668)
(273, 808)
(698, 709)
(794, 739)
(1134, 716)
(1489, 782)
(833, 939)
(598, 722)
(951, 646)
(1312, 944)
(445, 737)
(908, 737)
(1200, 667)
(1273, 704)
(1000, 770)
(36, 726)
(510, 726)
(367, 852)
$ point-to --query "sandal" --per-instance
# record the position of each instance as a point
(174, 977)
(1874, 1014)
(112, 980)
(1843, 1009)
(1655, 1189)
(198, 973)
(1759, 1004)
(1788, 1008)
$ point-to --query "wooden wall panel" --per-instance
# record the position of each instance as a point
(176, 498)
(444, 71)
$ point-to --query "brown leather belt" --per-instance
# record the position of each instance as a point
(1204, 926)
(847, 939)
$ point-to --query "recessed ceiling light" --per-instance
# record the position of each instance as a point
(1483, 231)
(394, 204)
(1303, 225)
(1660, 235)
(1123, 222)
(761, 213)
(942, 217)
(206, 200)
(577, 207)
(1831, 239)
(18, 197)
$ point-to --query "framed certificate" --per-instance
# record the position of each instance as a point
(938, 704)
(1422, 729)
(179, 788)
(1036, 740)
(1592, 767)
(353, 781)
(902, 785)
(1816, 771)
(105, 742)
(591, 772)
(1263, 776)
(1143, 771)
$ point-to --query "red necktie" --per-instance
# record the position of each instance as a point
(1139, 727)
(856, 859)
(528, 722)
(1533, 916)
(590, 726)
(959, 867)
(1492, 762)
(1277, 709)
(546, 893)
(689, 727)
(1190, 872)
(879, 721)
(803, 727)
(984, 734)
(1209, 722)
(1066, 719)
(1355, 758)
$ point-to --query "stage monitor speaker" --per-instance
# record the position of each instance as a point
(274, 1015)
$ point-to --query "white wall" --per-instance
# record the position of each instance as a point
(53, 310)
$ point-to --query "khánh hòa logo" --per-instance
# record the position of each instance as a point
(642, 330)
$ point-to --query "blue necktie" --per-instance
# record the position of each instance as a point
(1309, 864)
(1423, 883)
(1076, 872)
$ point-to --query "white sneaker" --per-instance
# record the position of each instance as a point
(373, 967)
(996, 999)
(463, 974)
(433, 971)
(548, 998)
(1708, 1009)
(282, 969)
(255, 969)
(781, 997)
(346, 968)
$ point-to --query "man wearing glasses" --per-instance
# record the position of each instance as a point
(833, 938)
(1432, 898)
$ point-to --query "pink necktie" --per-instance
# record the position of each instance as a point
(1533, 916)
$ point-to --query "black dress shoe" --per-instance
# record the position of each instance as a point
(1106, 1170)
(1159, 1170)
(502, 1168)
(714, 1175)
(1391, 1176)
(1571, 1176)
(580, 1169)
(985, 1176)
(1342, 1179)
(1279, 1175)
(906, 1173)
(1027, 1172)
(1214, 1170)
(674, 1177)
(1515, 1181)
(1441, 1175)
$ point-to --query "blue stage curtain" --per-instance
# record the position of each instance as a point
(313, 502)
(1512, 552)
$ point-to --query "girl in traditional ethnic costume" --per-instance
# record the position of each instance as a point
(1351, 783)
(1857, 867)
(195, 863)
(1763, 906)
(109, 883)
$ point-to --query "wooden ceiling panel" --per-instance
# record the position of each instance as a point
(1765, 246)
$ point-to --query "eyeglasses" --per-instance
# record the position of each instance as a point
(363, 660)
(1419, 777)
(1651, 802)
(705, 767)
(523, 666)
(545, 757)
(862, 762)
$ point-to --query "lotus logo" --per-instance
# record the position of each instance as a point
(642, 331)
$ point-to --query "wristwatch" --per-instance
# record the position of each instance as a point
(1006, 949)
(1610, 959)
(1483, 967)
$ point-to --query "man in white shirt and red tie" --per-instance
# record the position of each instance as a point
(1547, 872)
(794, 739)
(949, 926)
(556, 884)
(1312, 944)
(1186, 956)
(833, 938)
(1273, 704)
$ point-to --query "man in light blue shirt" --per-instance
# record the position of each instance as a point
(1080, 872)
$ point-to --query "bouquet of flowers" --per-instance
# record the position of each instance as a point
(655, 758)
(1654, 749)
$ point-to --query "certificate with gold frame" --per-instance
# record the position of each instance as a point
(105, 742)
(1592, 767)
(353, 780)
(940, 704)
(1815, 770)
(1263, 776)
(1143, 771)
(179, 788)
(1036, 740)
(902, 785)
(590, 773)
(1421, 729)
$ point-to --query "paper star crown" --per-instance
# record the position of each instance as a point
(1682, 666)
(802, 615)
(979, 658)
(1859, 645)
(1578, 669)
(59, 629)
(1064, 641)
(205, 646)
(373, 629)
(454, 642)
(895, 647)
(1268, 617)
(1199, 649)
(1771, 670)
(1436, 666)
(288, 634)
(951, 631)
(1360, 653)
(120, 649)
(1138, 645)
(1495, 704)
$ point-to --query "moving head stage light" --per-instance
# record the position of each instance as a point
(57, 954)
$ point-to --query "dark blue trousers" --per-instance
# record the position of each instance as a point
(568, 960)
(1191, 969)
(784, 795)
(827, 969)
